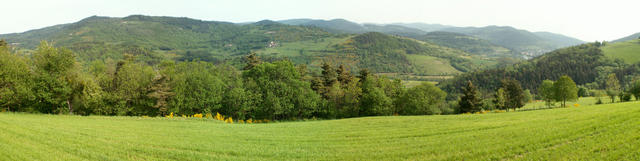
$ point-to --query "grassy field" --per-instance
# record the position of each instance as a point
(602, 132)
(431, 65)
(628, 51)
(584, 101)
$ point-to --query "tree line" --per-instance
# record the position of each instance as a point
(50, 80)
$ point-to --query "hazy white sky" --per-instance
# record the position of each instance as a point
(584, 19)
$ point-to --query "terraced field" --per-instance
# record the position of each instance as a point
(601, 132)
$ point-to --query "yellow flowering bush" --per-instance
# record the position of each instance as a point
(209, 115)
(170, 115)
(249, 121)
(219, 117)
(197, 115)
(576, 105)
(229, 120)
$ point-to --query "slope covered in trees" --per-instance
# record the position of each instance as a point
(153, 39)
(518, 40)
(584, 63)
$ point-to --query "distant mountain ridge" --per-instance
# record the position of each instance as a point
(630, 37)
(529, 43)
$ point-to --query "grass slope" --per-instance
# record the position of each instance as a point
(628, 51)
(605, 132)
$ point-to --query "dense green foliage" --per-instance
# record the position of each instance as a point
(263, 90)
(565, 90)
(583, 63)
(470, 100)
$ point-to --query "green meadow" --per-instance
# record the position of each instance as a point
(596, 132)
(628, 51)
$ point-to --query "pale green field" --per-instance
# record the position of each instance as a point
(601, 132)
(431, 65)
(583, 101)
(628, 51)
(412, 83)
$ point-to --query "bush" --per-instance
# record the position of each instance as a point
(626, 97)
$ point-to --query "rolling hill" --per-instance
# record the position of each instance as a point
(466, 43)
(156, 38)
(630, 37)
(627, 51)
(519, 40)
(600, 132)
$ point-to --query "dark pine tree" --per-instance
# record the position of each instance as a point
(470, 101)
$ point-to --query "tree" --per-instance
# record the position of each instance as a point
(374, 101)
(344, 76)
(15, 80)
(363, 74)
(635, 89)
(329, 75)
(612, 86)
(547, 92)
(423, 99)
(252, 61)
(198, 88)
(565, 90)
(500, 99)
(527, 96)
(470, 101)
(55, 76)
(280, 92)
(583, 91)
(513, 93)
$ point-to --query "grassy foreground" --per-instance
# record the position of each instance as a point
(603, 132)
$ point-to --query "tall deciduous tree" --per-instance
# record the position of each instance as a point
(470, 100)
(612, 86)
(565, 90)
(547, 92)
(15, 80)
(514, 94)
(55, 70)
(500, 99)
(423, 99)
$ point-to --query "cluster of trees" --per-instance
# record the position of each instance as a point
(50, 80)
(509, 96)
(562, 90)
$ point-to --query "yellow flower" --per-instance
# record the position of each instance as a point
(576, 105)
(249, 121)
(241, 121)
(197, 115)
(170, 115)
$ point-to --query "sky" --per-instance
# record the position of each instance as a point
(583, 19)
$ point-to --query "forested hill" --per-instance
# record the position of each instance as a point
(466, 43)
(584, 63)
(104, 37)
(153, 39)
(519, 40)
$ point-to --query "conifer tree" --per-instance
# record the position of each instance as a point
(470, 101)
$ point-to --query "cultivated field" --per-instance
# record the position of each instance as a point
(600, 132)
